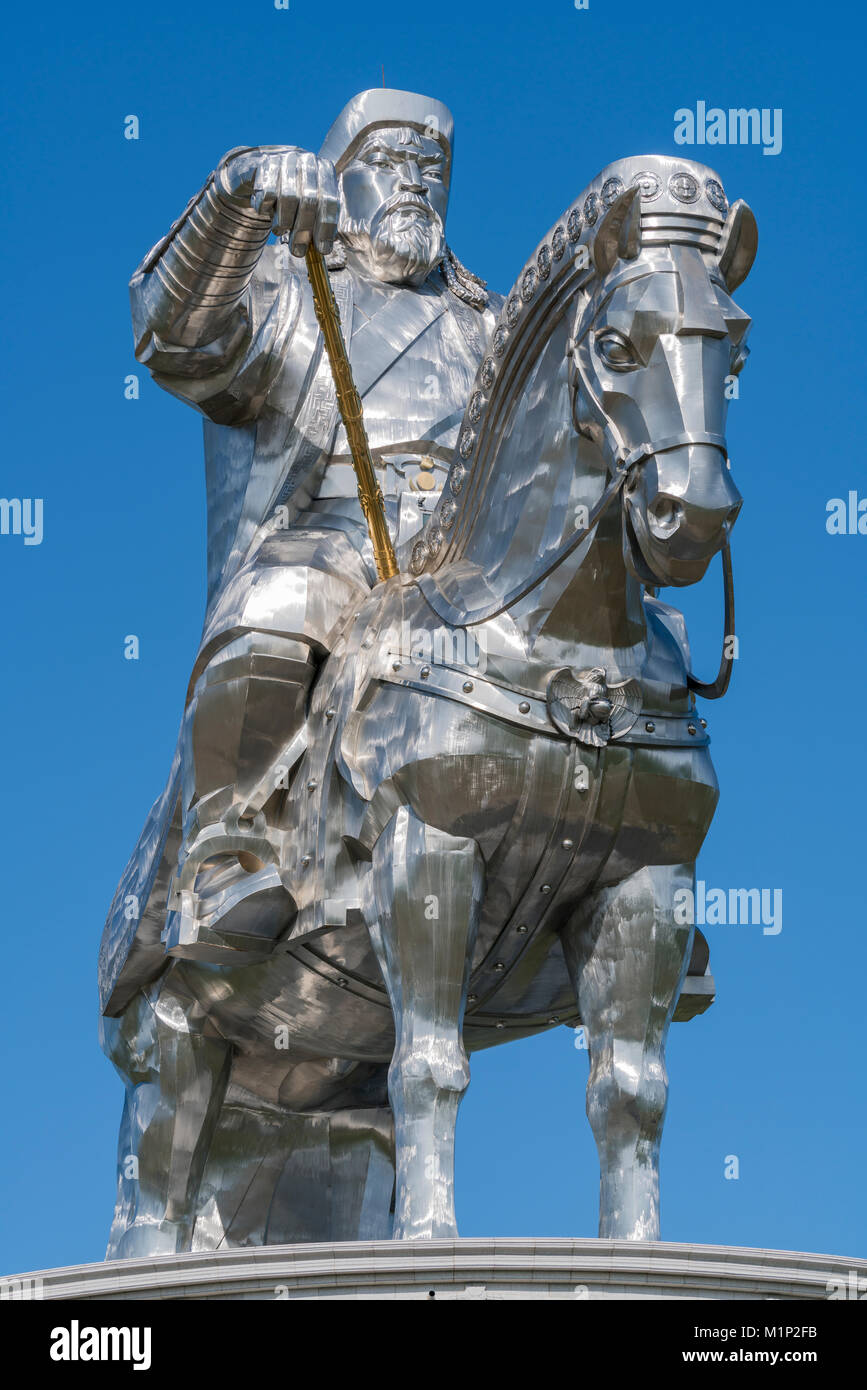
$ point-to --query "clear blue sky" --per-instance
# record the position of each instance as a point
(544, 96)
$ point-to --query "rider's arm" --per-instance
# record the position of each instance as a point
(213, 306)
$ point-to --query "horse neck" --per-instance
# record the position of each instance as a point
(589, 611)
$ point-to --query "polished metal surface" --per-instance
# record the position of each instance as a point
(413, 819)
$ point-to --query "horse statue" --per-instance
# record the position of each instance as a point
(491, 823)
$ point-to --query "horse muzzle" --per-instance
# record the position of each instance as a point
(680, 504)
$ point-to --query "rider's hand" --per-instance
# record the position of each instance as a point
(295, 188)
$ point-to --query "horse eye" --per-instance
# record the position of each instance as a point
(615, 352)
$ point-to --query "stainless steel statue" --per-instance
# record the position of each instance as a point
(414, 819)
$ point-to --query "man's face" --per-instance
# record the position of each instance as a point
(393, 204)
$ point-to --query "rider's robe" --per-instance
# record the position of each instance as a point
(278, 473)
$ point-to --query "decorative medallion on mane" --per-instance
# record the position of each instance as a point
(633, 210)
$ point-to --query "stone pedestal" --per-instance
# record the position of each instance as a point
(459, 1269)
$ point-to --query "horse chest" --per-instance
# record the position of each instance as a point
(588, 816)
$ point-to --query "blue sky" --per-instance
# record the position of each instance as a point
(543, 97)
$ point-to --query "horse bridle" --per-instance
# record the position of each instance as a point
(625, 461)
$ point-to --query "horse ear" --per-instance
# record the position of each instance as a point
(619, 234)
(738, 244)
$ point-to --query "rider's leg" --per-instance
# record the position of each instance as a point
(627, 954)
(244, 731)
(176, 1074)
(426, 890)
(246, 707)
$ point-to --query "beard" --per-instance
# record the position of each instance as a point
(400, 244)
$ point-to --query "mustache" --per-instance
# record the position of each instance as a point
(402, 202)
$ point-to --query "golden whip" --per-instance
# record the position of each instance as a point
(349, 401)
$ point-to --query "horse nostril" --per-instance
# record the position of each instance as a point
(734, 513)
(665, 515)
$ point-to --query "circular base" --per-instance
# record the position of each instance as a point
(458, 1269)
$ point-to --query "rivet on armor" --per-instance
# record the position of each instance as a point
(499, 965)
(650, 727)
(546, 888)
(342, 983)
(523, 707)
(424, 672)
(703, 723)
(472, 998)
(330, 713)
(395, 666)
(467, 687)
(566, 844)
(522, 928)
(554, 1019)
(500, 1023)
(690, 728)
(312, 784)
(306, 861)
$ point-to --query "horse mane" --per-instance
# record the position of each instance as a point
(541, 294)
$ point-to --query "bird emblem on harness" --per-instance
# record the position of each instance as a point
(583, 705)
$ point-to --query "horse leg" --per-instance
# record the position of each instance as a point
(176, 1079)
(427, 890)
(627, 956)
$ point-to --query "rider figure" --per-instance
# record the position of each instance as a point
(224, 318)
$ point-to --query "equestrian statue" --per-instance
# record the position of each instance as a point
(441, 779)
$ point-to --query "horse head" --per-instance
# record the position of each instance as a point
(657, 338)
(609, 369)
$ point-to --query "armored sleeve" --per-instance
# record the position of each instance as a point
(213, 306)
